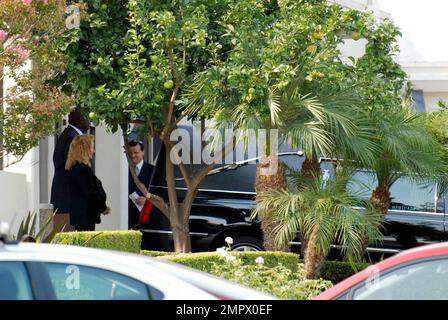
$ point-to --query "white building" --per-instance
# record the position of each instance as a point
(27, 184)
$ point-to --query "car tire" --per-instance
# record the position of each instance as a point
(246, 244)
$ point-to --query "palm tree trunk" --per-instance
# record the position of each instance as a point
(270, 175)
(310, 168)
(313, 260)
(381, 200)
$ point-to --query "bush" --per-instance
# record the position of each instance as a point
(278, 281)
(280, 274)
(334, 271)
(127, 241)
(204, 260)
(156, 253)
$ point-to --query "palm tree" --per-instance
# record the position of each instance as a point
(406, 148)
(323, 212)
(317, 125)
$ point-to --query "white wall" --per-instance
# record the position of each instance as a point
(111, 168)
(29, 167)
(13, 199)
(432, 99)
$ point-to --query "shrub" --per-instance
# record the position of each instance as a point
(204, 260)
(156, 253)
(280, 274)
(334, 271)
(278, 280)
(127, 241)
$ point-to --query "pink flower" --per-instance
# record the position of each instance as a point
(3, 35)
(27, 2)
(24, 54)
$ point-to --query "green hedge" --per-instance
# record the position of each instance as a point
(334, 271)
(127, 241)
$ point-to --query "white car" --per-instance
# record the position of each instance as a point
(48, 272)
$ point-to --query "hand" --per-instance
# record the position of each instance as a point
(107, 211)
(141, 200)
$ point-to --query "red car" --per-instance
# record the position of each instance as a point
(416, 274)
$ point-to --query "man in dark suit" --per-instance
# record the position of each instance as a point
(60, 195)
(144, 172)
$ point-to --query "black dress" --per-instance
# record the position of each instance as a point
(88, 199)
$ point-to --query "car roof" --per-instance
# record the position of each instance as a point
(134, 265)
(407, 256)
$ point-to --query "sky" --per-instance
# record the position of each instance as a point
(424, 23)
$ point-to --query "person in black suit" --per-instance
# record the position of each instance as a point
(144, 172)
(88, 198)
(60, 196)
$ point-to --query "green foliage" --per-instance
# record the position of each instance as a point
(323, 212)
(27, 229)
(126, 241)
(155, 253)
(407, 146)
(436, 122)
(334, 271)
(204, 260)
(278, 280)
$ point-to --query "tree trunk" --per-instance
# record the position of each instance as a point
(310, 168)
(313, 260)
(380, 200)
(181, 238)
(270, 175)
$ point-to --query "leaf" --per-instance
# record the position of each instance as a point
(91, 238)
(59, 228)
(45, 226)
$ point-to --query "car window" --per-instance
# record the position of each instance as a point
(14, 282)
(420, 281)
(407, 195)
(75, 282)
(411, 196)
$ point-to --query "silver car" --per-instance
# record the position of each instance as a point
(47, 272)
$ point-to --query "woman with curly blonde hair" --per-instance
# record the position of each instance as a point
(88, 199)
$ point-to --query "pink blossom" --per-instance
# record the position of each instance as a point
(24, 54)
(27, 2)
(3, 35)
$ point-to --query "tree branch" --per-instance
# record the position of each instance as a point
(182, 167)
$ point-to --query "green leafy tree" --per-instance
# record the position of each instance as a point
(436, 123)
(133, 63)
(291, 79)
(30, 31)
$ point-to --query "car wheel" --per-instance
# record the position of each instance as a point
(247, 244)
